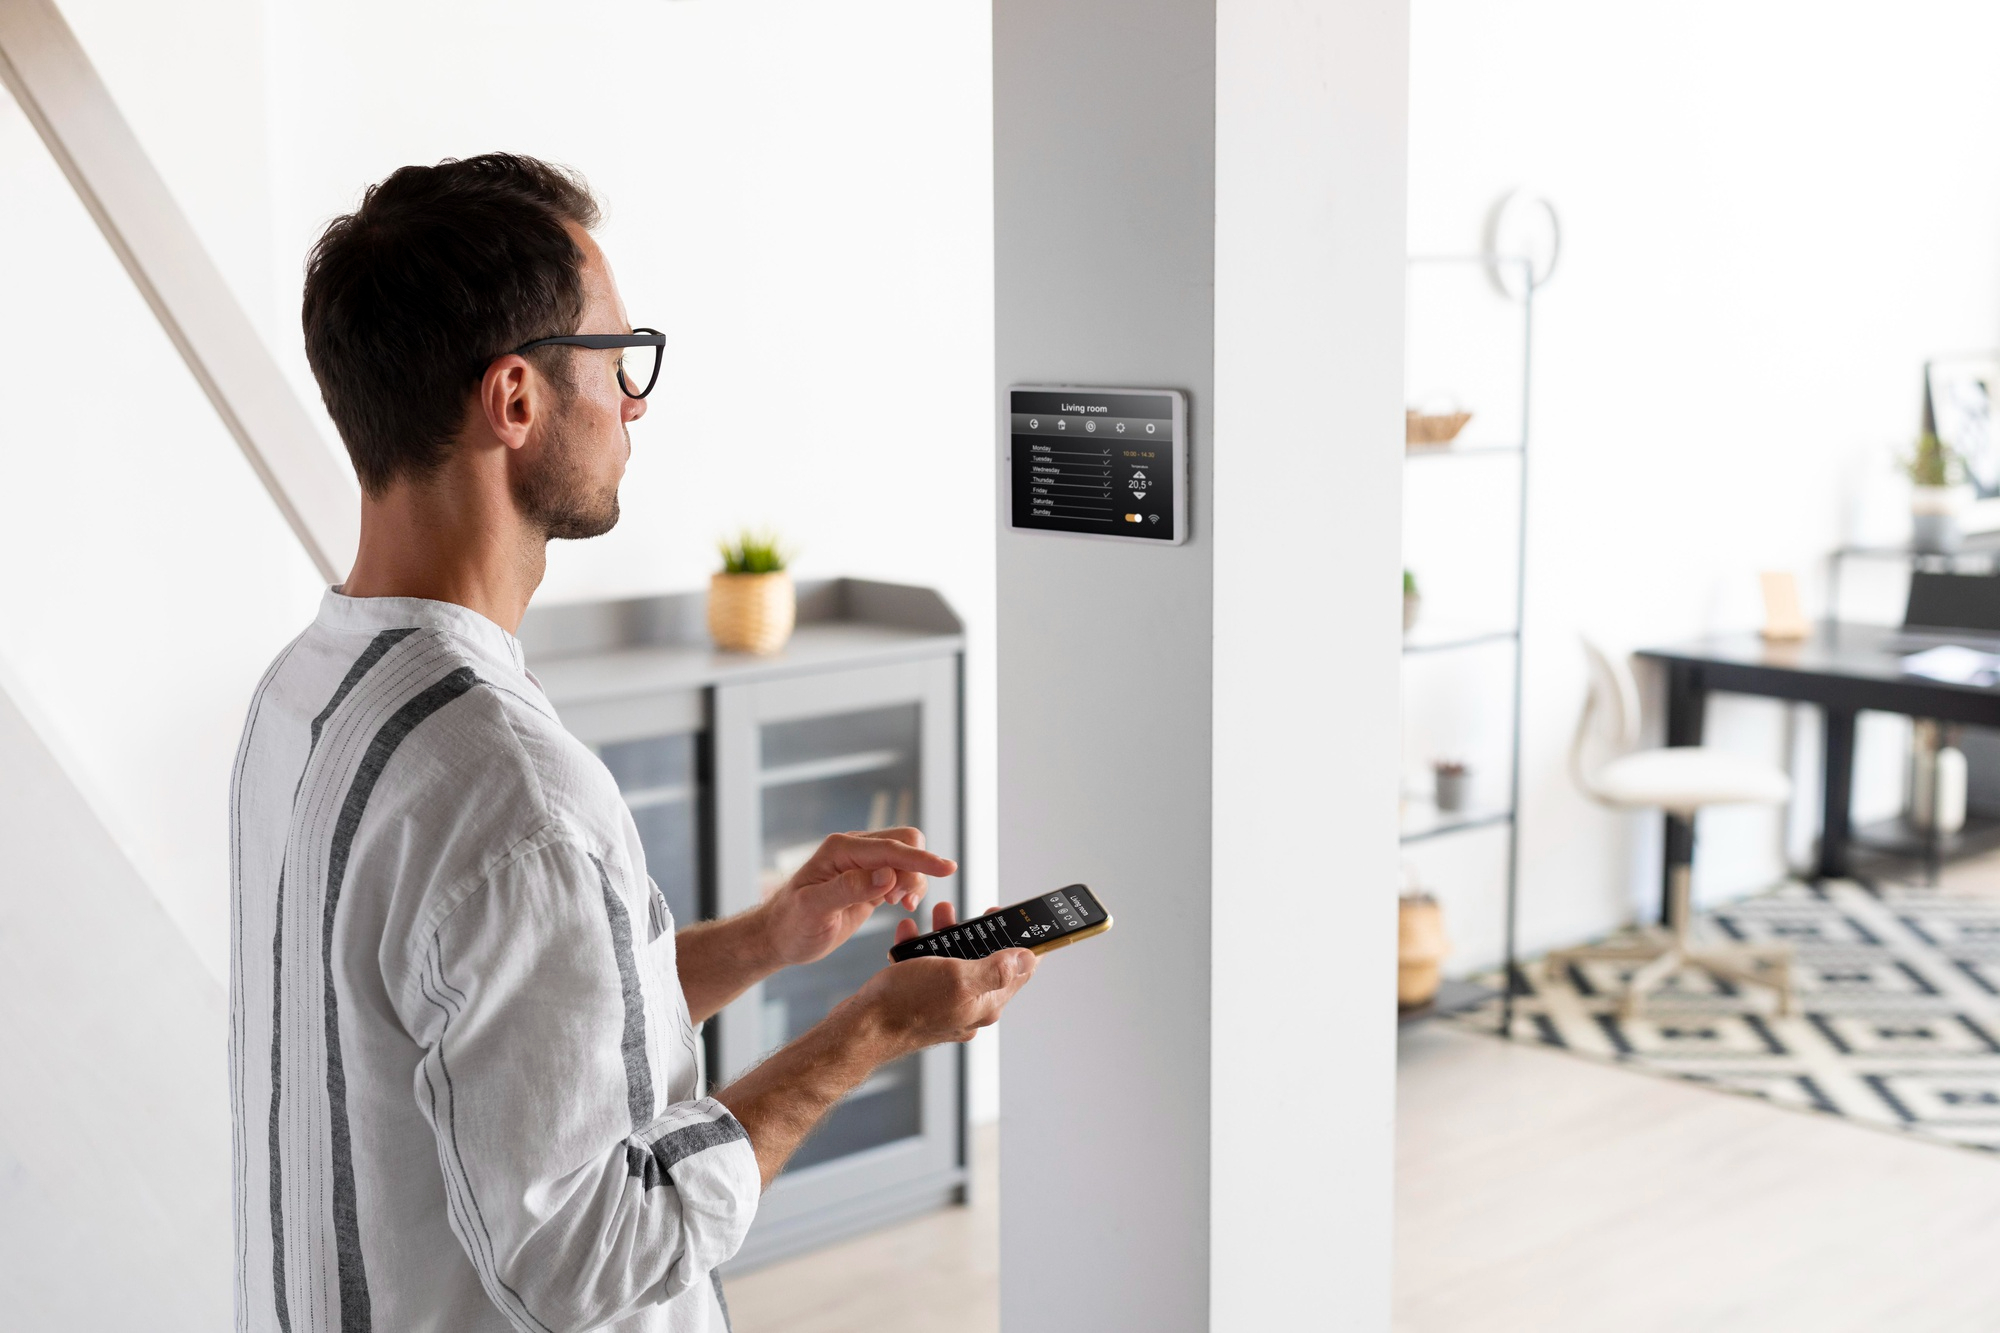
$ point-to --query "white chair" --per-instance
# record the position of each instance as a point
(1680, 780)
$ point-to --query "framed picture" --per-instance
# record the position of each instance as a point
(1959, 401)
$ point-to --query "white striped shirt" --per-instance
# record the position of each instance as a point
(464, 1080)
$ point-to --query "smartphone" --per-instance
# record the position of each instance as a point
(1041, 924)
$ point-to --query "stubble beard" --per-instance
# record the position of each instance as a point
(557, 495)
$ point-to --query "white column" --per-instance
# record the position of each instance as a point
(1197, 1109)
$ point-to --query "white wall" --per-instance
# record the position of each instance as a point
(192, 80)
(114, 1127)
(1310, 148)
(145, 577)
(1771, 217)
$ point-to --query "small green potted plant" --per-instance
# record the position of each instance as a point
(751, 602)
(1937, 496)
(1413, 601)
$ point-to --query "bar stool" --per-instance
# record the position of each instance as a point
(1680, 780)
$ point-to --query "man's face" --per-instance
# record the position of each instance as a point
(566, 480)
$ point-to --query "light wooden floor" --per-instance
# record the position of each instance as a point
(1541, 1193)
(938, 1274)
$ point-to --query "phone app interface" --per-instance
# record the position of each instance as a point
(1098, 463)
(1021, 926)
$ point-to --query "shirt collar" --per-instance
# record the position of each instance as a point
(374, 614)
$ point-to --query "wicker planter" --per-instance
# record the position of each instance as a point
(1420, 949)
(1432, 430)
(751, 613)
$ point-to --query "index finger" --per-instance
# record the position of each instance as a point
(904, 833)
(885, 848)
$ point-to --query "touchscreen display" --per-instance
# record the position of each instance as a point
(1095, 463)
(1022, 926)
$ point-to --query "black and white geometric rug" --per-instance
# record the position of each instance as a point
(1895, 1022)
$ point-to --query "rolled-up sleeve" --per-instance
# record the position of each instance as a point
(577, 1198)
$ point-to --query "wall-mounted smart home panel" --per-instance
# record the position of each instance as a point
(1098, 462)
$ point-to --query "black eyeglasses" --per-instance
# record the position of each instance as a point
(638, 369)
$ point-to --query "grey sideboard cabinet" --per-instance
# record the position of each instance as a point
(735, 768)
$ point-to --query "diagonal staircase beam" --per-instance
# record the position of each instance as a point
(44, 66)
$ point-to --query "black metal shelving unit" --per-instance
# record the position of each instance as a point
(1459, 996)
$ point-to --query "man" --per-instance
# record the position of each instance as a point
(463, 1026)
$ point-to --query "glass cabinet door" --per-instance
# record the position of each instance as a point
(656, 747)
(796, 759)
(660, 779)
(844, 772)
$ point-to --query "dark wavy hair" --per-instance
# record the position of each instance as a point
(412, 295)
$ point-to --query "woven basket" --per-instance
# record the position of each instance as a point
(1432, 430)
(1420, 948)
(751, 613)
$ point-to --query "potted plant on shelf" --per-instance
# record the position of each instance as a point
(751, 602)
(1413, 601)
(1452, 785)
(1937, 496)
(1433, 425)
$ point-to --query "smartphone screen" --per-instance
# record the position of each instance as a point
(1039, 924)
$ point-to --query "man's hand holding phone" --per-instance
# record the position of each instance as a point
(902, 1009)
(925, 1001)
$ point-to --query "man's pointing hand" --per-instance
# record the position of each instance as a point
(816, 910)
